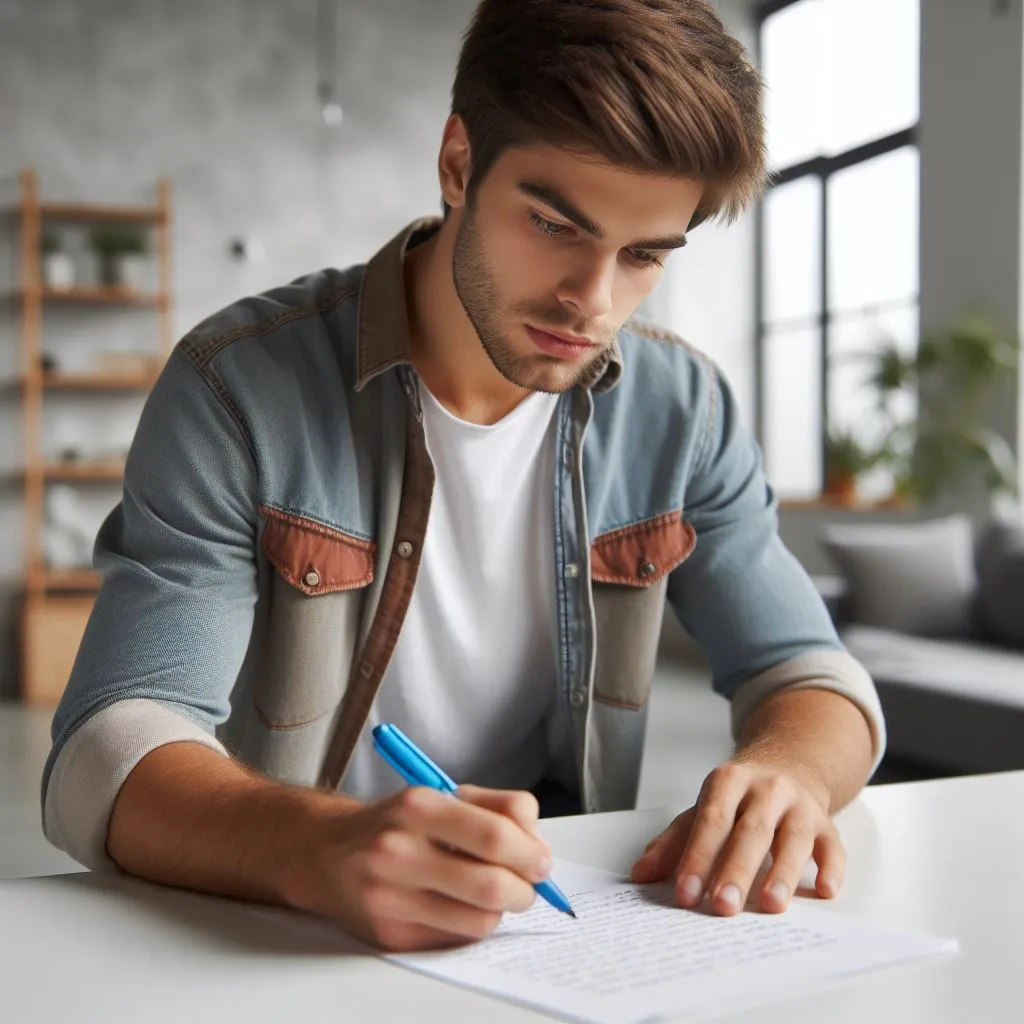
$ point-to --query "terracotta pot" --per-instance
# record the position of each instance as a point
(841, 488)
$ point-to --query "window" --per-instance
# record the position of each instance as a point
(838, 228)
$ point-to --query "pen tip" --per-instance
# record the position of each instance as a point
(572, 914)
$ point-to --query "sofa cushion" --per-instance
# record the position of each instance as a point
(972, 670)
(1000, 565)
(916, 578)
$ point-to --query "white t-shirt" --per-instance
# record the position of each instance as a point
(472, 680)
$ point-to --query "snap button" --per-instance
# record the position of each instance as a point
(647, 569)
(404, 549)
(312, 578)
(572, 570)
(578, 699)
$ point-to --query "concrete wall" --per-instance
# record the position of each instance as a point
(104, 97)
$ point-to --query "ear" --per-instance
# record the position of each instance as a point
(453, 162)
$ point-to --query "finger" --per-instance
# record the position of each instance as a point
(713, 821)
(410, 860)
(474, 830)
(662, 854)
(752, 837)
(830, 856)
(791, 850)
(391, 910)
(517, 804)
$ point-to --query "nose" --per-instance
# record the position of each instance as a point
(588, 289)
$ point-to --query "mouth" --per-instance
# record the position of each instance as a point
(562, 346)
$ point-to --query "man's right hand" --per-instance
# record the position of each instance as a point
(421, 870)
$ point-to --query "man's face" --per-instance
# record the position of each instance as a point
(554, 253)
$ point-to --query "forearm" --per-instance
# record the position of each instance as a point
(187, 816)
(815, 734)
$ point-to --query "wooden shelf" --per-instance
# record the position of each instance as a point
(99, 212)
(104, 296)
(69, 472)
(84, 472)
(86, 295)
(103, 381)
(71, 579)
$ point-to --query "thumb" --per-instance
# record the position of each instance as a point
(664, 852)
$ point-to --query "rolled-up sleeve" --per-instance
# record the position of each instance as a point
(173, 618)
(747, 602)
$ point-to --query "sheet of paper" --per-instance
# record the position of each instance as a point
(634, 956)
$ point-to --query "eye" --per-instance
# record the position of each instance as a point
(548, 227)
(644, 259)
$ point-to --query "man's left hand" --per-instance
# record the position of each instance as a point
(745, 811)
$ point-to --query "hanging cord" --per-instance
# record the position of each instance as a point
(327, 60)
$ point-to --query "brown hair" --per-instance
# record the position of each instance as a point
(656, 86)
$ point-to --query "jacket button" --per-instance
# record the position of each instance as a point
(312, 578)
(647, 569)
(572, 570)
(578, 699)
(404, 549)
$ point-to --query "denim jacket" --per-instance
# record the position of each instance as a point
(261, 560)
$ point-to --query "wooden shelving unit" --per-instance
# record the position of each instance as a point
(58, 602)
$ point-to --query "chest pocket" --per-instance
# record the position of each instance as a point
(629, 569)
(311, 620)
(315, 558)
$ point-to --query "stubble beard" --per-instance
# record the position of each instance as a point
(477, 289)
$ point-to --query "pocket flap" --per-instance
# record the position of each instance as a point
(640, 554)
(315, 558)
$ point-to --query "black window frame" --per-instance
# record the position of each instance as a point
(822, 168)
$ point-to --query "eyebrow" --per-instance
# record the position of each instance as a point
(556, 201)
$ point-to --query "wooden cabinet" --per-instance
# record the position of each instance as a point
(52, 629)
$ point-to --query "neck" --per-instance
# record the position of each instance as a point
(446, 350)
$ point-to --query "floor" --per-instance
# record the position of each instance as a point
(688, 734)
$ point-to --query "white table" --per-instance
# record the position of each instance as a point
(942, 857)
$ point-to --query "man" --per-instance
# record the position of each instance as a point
(453, 489)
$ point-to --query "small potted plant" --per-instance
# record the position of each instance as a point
(954, 374)
(846, 458)
(58, 270)
(115, 245)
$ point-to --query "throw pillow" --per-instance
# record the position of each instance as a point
(910, 577)
(1000, 564)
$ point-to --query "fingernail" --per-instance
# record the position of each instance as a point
(544, 869)
(779, 892)
(730, 896)
(830, 887)
(693, 888)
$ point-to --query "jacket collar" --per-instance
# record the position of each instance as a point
(384, 339)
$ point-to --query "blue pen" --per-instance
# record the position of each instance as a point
(418, 770)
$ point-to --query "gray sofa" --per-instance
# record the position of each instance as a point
(935, 612)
